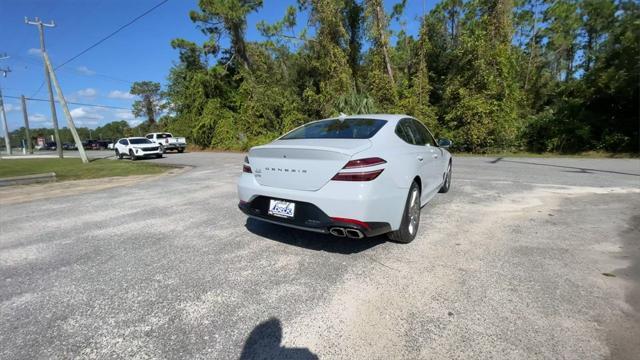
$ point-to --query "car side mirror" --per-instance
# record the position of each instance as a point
(444, 143)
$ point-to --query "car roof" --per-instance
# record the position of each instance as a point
(387, 117)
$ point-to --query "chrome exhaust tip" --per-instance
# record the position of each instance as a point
(354, 234)
(336, 231)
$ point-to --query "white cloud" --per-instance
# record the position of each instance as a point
(37, 117)
(11, 107)
(117, 94)
(88, 92)
(124, 115)
(34, 52)
(135, 122)
(83, 116)
(85, 70)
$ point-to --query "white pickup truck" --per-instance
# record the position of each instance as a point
(166, 141)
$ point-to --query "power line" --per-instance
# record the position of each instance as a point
(73, 103)
(112, 34)
(75, 72)
(39, 88)
(103, 40)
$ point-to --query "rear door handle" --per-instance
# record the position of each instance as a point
(420, 158)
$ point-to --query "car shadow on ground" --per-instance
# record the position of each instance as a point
(264, 343)
(312, 240)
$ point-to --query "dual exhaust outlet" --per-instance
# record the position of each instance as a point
(342, 232)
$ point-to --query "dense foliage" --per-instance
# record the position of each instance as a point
(537, 75)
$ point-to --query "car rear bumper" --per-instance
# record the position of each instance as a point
(175, 146)
(309, 217)
(373, 207)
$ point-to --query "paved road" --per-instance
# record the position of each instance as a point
(508, 265)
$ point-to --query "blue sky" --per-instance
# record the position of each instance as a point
(103, 75)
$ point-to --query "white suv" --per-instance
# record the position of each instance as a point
(137, 147)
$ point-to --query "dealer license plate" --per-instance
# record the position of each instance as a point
(282, 208)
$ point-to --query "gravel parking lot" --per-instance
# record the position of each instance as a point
(524, 258)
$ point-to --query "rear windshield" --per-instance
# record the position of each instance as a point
(337, 129)
(140, 141)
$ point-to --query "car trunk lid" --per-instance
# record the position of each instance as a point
(302, 164)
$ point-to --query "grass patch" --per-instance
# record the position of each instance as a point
(74, 169)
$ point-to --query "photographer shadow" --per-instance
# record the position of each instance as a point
(264, 342)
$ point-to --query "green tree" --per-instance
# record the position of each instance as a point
(557, 75)
(382, 84)
(598, 17)
(113, 130)
(482, 94)
(226, 17)
(326, 58)
(415, 100)
(151, 101)
(562, 35)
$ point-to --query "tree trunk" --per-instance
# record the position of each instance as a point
(149, 109)
(532, 50)
(589, 52)
(381, 23)
(239, 46)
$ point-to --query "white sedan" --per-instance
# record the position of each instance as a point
(137, 147)
(354, 176)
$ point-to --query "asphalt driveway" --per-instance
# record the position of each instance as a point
(524, 258)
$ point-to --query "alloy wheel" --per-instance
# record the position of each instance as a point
(448, 179)
(414, 212)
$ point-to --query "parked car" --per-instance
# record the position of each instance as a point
(88, 144)
(166, 141)
(51, 145)
(99, 145)
(354, 176)
(137, 147)
(69, 146)
(111, 145)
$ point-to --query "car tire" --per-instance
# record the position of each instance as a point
(133, 157)
(162, 149)
(158, 156)
(118, 155)
(180, 150)
(410, 217)
(446, 184)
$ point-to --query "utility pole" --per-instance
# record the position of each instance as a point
(54, 117)
(65, 108)
(26, 124)
(7, 140)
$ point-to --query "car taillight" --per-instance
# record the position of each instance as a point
(364, 163)
(357, 176)
(246, 167)
(360, 175)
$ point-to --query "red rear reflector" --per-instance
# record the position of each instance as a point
(357, 176)
(364, 163)
(246, 167)
(351, 221)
